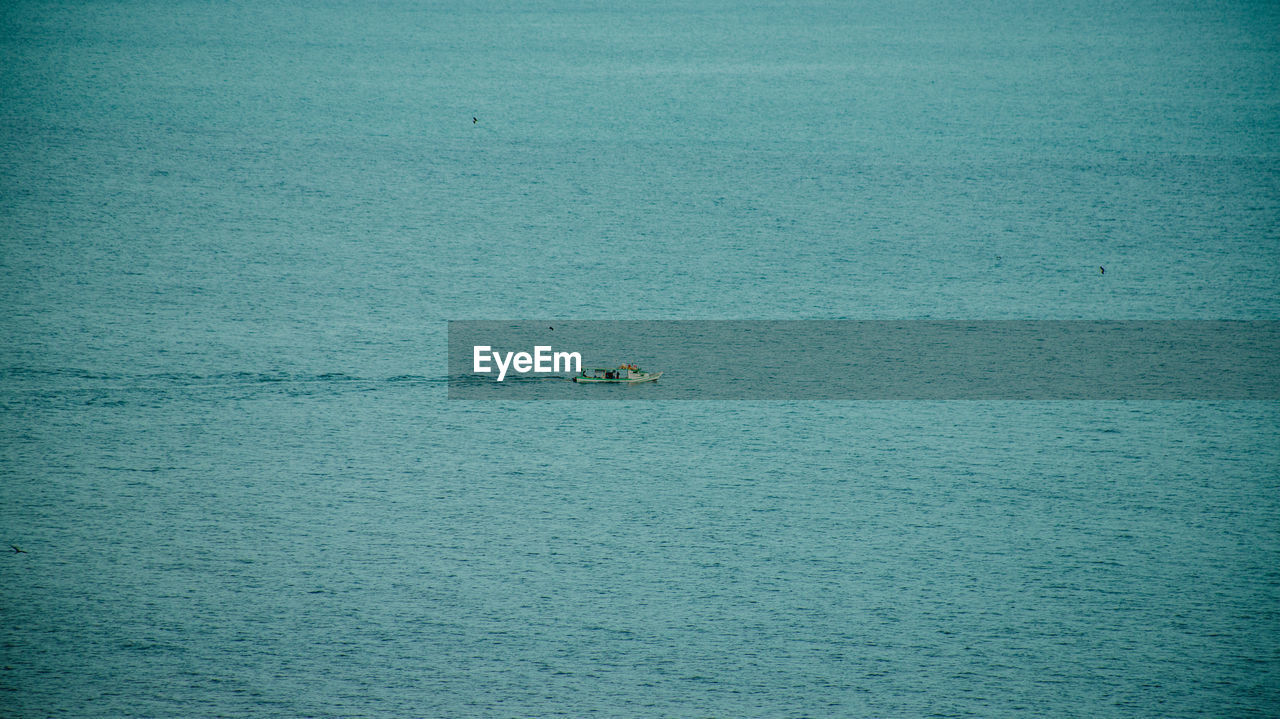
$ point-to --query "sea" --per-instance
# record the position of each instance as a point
(233, 234)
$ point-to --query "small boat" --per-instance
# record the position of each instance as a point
(627, 374)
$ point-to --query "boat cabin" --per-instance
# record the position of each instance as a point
(605, 373)
(626, 371)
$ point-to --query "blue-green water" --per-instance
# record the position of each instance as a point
(231, 235)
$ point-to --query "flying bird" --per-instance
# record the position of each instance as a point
(1102, 270)
(17, 549)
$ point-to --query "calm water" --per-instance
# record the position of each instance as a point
(231, 235)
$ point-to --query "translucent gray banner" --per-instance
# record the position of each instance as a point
(865, 360)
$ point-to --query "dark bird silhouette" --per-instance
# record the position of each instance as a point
(1102, 270)
(17, 549)
(551, 328)
(474, 121)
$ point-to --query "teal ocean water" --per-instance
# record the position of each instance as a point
(231, 236)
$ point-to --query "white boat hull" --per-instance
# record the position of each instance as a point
(641, 377)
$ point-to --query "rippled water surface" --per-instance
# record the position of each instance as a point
(231, 236)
